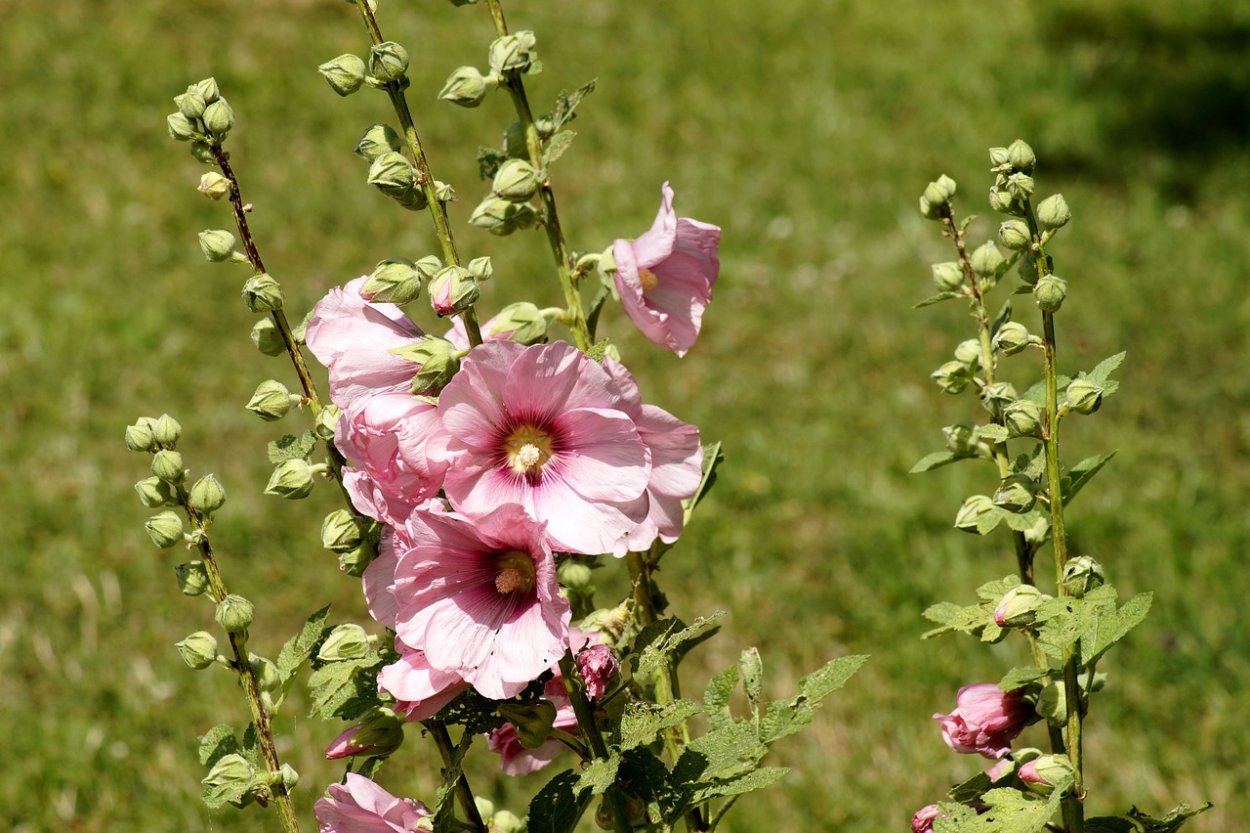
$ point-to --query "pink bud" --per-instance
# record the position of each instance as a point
(922, 821)
(597, 665)
(342, 747)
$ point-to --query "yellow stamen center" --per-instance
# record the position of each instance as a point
(516, 572)
(648, 280)
(527, 449)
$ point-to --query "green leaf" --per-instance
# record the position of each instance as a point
(785, 717)
(937, 459)
(713, 457)
(599, 774)
(557, 806)
(716, 697)
(754, 780)
(344, 689)
(1038, 392)
(942, 612)
(992, 591)
(972, 789)
(1169, 823)
(720, 754)
(642, 723)
(1022, 522)
(1017, 677)
(935, 299)
(993, 433)
(1112, 629)
(1004, 314)
(557, 145)
(1059, 625)
(488, 162)
(1103, 370)
(216, 743)
(1009, 811)
(291, 447)
(1082, 473)
(752, 668)
(969, 619)
(566, 103)
(299, 648)
(673, 641)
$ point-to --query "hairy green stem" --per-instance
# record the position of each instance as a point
(438, 210)
(576, 313)
(598, 748)
(464, 795)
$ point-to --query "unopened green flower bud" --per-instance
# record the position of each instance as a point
(439, 360)
(345, 74)
(986, 259)
(1011, 338)
(1026, 268)
(499, 216)
(167, 465)
(139, 436)
(346, 641)
(203, 152)
(505, 821)
(213, 185)
(1053, 212)
(271, 401)
(354, 562)
(481, 268)
(207, 495)
(192, 578)
(207, 88)
(516, 181)
(341, 531)
(394, 281)
(267, 338)
(576, 575)
(164, 528)
(960, 439)
(522, 322)
(166, 431)
(392, 174)
(155, 493)
(291, 479)
(972, 512)
(968, 353)
(998, 158)
(181, 128)
(388, 61)
(1047, 774)
(219, 118)
(377, 140)
(1081, 575)
(939, 193)
(288, 777)
(268, 679)
(453, 290)
(1018, 607)
(515, 51)
(262, 293)
(466, 87)
(1014, 234)
(997, 396)
(217, 245)
(952, 377)
(198, 651)
(1050, 292)
(532, 721)
(1017, 493)
(191, 103)
(1084, 396)
(232, 774)
(1022, 418)
(443, 192)
(1020, 186)
(1021, 156)
(948, 277)
(234, 613)
(1003, 202)
(327, 421)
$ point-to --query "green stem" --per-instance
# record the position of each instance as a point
(576, 315)
(464, 794)
(438, 210)
(598, 748)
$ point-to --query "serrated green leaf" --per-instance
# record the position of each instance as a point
(992, 591)
(720, 754)
(716, 697)
(557, 806)
(251, 746)
(642, 723)
(1170, 822)
(1059, 625)
(566, 103)
(1037, 392)
(673, 641)
(299, 648)
(1103, 370)
(785, 717)
(992, 632)
(291, 447)
(942, 612)
(1008, 811)
(969, 619)
(216, 743)
(755, 780)
(1017, 677)
(1111, 629)
(1082, 473)
(1022, 521)
(971, 790)
(557, 145)
(935, 299)
(993, 433)
(599, 774)
(937, 459)
(344, 689)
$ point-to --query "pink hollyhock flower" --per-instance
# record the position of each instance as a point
(545, 428)
(361, 806)
(986, 719)
(665, 276)
(353, 339)
(597, 665)
(421, 691)
(481, 599)
(922, 821)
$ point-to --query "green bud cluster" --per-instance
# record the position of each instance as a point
(935, 202)
(203, 117)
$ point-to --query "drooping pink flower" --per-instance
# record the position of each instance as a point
(922, 821)
(986, 720)
(597, 665)
(480, 598)
(361, 806)
(665, 276)
(353, 339)
(546, 428)
(421, 691)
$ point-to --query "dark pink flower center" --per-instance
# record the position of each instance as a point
(514, 572)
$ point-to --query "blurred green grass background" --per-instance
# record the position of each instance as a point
(806, 130)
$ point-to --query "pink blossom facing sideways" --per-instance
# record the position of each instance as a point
(361, 806)
(986, 720)
(922, 821)
(597, 665)
(421, 691)
(665, 276)
(545, 428)
(353, 339)
(480, 598)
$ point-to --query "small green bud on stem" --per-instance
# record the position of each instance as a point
(952, 377)
(1050, 292)
(341, 531)
(393, 281)
(292, 479)
(198, 651)
(948, 277)
(513, 52)
(234, 613)
(192, 578)
(1084, 396)
(388, 61)
(217, 245)
(1014, 234)
(1081, 575)
(164, 528)
(1053, 213)
(345, 74)
(267, 338)
(155, 493)
(213, 185)
(516, 181)
(973, 510)
(986, 259)
(346, 641)
(467, 87)
(262, 293)
(1017, 493)
(167, 465)
(1011, 338)
(207, 495)
(272, 401)
(377, 140)
(1022, 418)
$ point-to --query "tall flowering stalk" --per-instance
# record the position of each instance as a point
(486, 470)
(1069, 630)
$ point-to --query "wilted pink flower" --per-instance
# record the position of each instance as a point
(422, 691)
(986, 719)
(546, 428)
(665, 276)
(480, 598)
(353, 339)
(922, 821)
(361, 806)
(597, 665)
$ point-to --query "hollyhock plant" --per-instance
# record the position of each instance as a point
(480, 598)
(545, 428)
(665, 276)
(360, 806)
(986, 720)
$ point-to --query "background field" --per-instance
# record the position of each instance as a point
(807, 132)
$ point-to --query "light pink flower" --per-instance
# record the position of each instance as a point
(353, 339)
(922, 821)
(361, 806)
(481, 599)
(597, 665)
(545, 428)
(986, 720)
(422, 691)
(665, 276)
